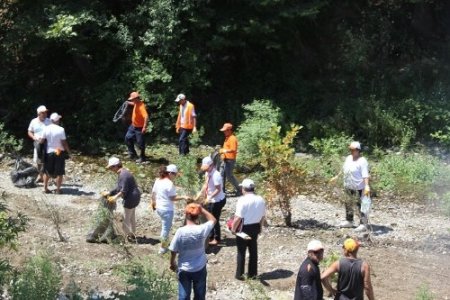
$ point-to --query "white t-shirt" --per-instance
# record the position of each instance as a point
(212, 179)
(164, 189)
(251, 208)
(37, 126)
(189, 243)
(354, 173)
(54, 135)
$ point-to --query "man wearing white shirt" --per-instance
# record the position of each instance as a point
(249, 216)
(57, 151)
(35, 132)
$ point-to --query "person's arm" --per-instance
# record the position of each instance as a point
(173, 263)
(236, 223)
(208, 215)
(65, 146)
(326, 274)
(194, 120)
(153, 201)
(365, 175)
(367, 282)
(31, 135)
(216, 192)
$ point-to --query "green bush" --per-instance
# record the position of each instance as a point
(188, 179)
(8, 143)
(424, 293)
(327, 261)
(260, 117)
(335, 145)
(40, 279)
(146, 281)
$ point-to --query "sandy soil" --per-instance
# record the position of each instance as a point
(408, 247)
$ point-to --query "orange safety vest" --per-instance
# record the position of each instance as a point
(188, 119)
(230, 143)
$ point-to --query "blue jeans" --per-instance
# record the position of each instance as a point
(166, 223)
(134, 134)
(183, 142)
(188, 279)
(227, 173)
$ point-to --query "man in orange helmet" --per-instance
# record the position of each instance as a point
(186, 123)
(136, 131)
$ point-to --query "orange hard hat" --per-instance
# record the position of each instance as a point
(134, 95)
(226, 126)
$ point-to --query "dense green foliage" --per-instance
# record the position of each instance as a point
(377, 70)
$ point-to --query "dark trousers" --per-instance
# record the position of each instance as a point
(183, 142)
(227, 173)
(216, 210)
(187, 280)
(252, 230)
(134, 134)
(354, 197)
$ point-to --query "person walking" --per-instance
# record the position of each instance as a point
(186, 123)
(248, 218)
(128, 190)
(163, 195)
(56, 153)
(229, 153)
(356, 183)
(309, 285)
(35, 132)
(136, 131)
(353, 275)
(215, 197)
(189, 244)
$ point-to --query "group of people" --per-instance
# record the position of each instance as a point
(203, 212)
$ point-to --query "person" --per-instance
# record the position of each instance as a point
(186, 123)
(249, 217)
(35, 132)
(189, 244)
(56, 154)
(229, 153)
(163, 195)
(353, 275)
(136, 131)
(308, 285)
(215, 197)
(356, 183)
(128, 190)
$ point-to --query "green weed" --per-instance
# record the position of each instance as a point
(424, 293)
(257, 290)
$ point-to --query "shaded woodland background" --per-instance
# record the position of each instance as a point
(375, 69)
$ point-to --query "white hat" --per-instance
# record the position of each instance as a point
(172, 169)
(206, 163)
(315, 245)
(247, 183)
(55, 117)
(355, 145)
(180, 97)
(113, 161)
(41, 109)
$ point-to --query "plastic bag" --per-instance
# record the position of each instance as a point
(365, 204)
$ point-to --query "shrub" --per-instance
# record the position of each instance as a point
(40, 279)
(281, 175)
(188, 179)
(8, 143)
(260, 117)
(424, 293)
(327, 261)
(257, 291)
(335, 145)
(147, 282)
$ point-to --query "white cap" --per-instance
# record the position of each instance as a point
(180, 97)
(206, 163)
(113, 161)
(247, 183)
(315, 245)
(41, 109)
(55, 117)
(172, 169)
(355, 145)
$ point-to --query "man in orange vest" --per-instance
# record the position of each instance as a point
(229, 153)
(138, 127)
(186, 123)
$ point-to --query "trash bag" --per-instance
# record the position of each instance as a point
(24, 174)
(103, 229)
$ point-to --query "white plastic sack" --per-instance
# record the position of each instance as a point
(365, 204)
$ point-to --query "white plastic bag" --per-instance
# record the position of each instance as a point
(365, 204)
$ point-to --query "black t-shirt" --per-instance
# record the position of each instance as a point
(308, 285)
(127, 185)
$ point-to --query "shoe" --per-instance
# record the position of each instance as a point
(361, 228)
(241, 278)
(141, 160)
(162, 250)
(346, 224)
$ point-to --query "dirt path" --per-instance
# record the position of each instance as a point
(410, 245)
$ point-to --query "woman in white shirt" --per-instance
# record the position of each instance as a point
(356, 183)
(163, 195)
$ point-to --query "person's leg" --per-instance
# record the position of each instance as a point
(133, 220)
(362, 217)
(229, 168)
(184, 141)
(59, 171)
(46, 180)
(199, 281)
(253, 256)
(223, 174)
(166, 226)
(240, 258)
(140, 140)
(184, 285)
(349, 203)
(216, 211)
(59, 180)
(129, 141)
(48, 170)
(126, 225)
